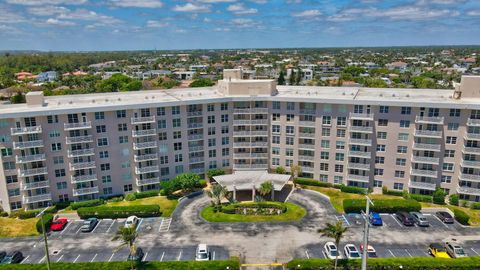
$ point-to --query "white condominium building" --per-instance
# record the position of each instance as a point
(81, 147)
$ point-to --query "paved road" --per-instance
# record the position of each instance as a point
(176, 238)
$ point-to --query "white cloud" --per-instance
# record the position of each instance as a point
(440, 2)
(307, 13)
(88, 15)
(207, 20)
(46, 2)
(190, 7)
(261, 2)
(245, 23)
(294, 1)
(216, 1)
(7, 16)
(399, 13)
(156, 24)
(56, 22)
(473, 13)
(221, 29)
(137, 3)
(47, 10)
(240, 9)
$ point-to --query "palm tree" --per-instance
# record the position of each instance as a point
(335, 231)
(127, 236)
(265, 188)
(295, 170)
(217, 193)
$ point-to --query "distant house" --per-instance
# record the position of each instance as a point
(48, 76)
(75, 74)
(108, 64)
(155, 73)
(370, 65)
(184, 75)
(24, 76)
(402, 66)
(198, 67)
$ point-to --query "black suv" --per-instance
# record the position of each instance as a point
(405, 218)
(445, 217)
(14, 257)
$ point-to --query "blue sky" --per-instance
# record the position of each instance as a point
(192, 24)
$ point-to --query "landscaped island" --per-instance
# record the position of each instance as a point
(254, 212)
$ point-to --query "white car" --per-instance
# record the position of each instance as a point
(455, 250)
(131, 222)
(331, 251)
(351, 252)
(202, 253)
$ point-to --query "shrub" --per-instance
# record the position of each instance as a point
(62, 205)
(387, 191)
(475, 206)
(146, 194)
(91, 203)
(355, 190)
(3, 214)
(439, 196)
(214, 172)
(28, 214)
(233, 208)
(130, 197)
(454, 199)
(381, 206)
(47, 219)
(461, 216)
(202, 183)
(116, 199)
(421, 198)
(311, 182)
(119, 211)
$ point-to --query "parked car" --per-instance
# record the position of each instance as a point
(59, 224)
(2, 255)
(89, 224)
(371, 252)
(202, 253)
(455, 250)
(131, 222)
(14, 257)
(137, 257)
(375, 219)
(438, 251)
(405, 218)
(331, 251)
(351, 252)
(420, 219)
(445, 217)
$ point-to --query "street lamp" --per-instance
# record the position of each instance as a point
(365, 233)
(47, 256)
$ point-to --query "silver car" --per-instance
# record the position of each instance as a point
(420, 219)
(455, 250)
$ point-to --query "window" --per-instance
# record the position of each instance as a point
(11, 179)
(9, 165)
(211, 131)
(382, 135)
(289, 141)
(162, 136)
(406, 110)
(105, 167)
(398, 186)
(225, 152)
(323, 178)
(403, 136)
(290, 106)
(324, 155)
(276, 129)
(448, 167)
(290, 129)
(325, 132)
(175, 110)
(339, 156)
(177, 122)
(14, 192)
(163, 159)
(338, 168)
(212, 142)
(404, 123)
(288, 162)
(15, 205)
(103, 154)
(101, 129)
(341, 121)
(52, 119)
(339, 145)
(177, 146)
(454, 112)
(400, 174)
(6, 152)
(401, 149)
(211, 119)
(276, 105)
(102, 142)
(379, 160)
(121, 113)
(325, 143)
(212, 153)
(224, 118)
(161, 111)
(123, 139)
(289, 152)
(224, 129)
(383, 122)
(324, 167)
(377, 183)
(54, 134)
(107, 190)
(179, 169)
(275, 139)
(178, 134)
(341, 133)
(210, 107)
(127, 188)
(56, 147)
(275, 161)
(446, 179)
(162, 123)
(224, 106)
(99, 115)
(380, 147)
(275, 117)
(449, 153)
(378, 171)
(178, 158)
(453, 126)
(451, 140)
(225, 140)
(59, 172)
(290, 117)
(384, 109)
(106, 179)
(401, 161)
(61, 185)
(326, 120)
(58, 160)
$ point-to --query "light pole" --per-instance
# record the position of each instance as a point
(365, 233)
(47, 256)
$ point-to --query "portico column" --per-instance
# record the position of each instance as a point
(253, 192)
(234, 193)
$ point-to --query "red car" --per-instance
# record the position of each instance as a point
(59, 224)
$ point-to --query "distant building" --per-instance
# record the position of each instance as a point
(48, 76)
(370, 65)
(184, 75)
(76, 73)
(24, 76)
(109, 64)
(198, 67)
(402, 66)
(155, 73)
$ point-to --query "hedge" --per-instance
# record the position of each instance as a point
(119, 211)
(21, 214)
(454, 199)
(387, 191)
(475, 206)
(381, 206)
(421, 198)
(146, 194)
(91, 203)
(417, 263)
(47, 219)
(461, 216)
(355, 190)
(312, 182)
(231, 208)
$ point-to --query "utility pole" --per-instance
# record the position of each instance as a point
(365, 233)
(47, 256)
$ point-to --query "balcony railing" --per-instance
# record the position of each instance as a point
(259, 144)
(469, 177)
(306, 146)
(82, 165)
(144, 145)
(142, 120)
(249, 133)
(195, 137)
(361, 116)
(26, 145)
(30, 158)
(425, 173)
(358, 178)
(359, 166)
(308, 169)
(306, 123)
(473, 122)
(32, 172)
(149, 169)
(307, 158)
(426, 160)
(195, 125)
(365, 142)
(308, 111)
(250, 111)
(37, 198)
(472, 136)
(250, 122)
(79, 139)
(361, 129)
(83, 178)
(471, 164)
(145, 157)
(79, 125)
(142, 133)
(422, 185)
(196, 159)
(148, 181)
(429, 120)
(26, 130)
(81, 152)
(198, 170)
(34, 185)
(427, 133)
(471, 150)
(85, 191)
(468, 190)
(194, 113)
(427, 146)
(241, 144)
(306, 135)
(360, 154)
(195, 148)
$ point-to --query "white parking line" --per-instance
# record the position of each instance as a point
(139, 224)
(161, 223)
(42, 259)
(111, 257)
(213, 257)
(474, 251)
(179, 255)
(96, 226)
(60, 258)
(24, 260)
(111, 225)
(306, 253)
(163, 254)
(396, 219)
(78, 230)
(66, 227)
(74, 261)
(391, 253)
(408, 253)
(93, 259)
(441, 222)
(145, 257)
(169, 222)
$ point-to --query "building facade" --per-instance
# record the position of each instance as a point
(72, 148)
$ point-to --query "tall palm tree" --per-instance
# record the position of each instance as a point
(335, 231)
(127, 236)
(265, 188)
(217, 193)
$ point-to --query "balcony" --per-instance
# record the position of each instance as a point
(306, 135)
(142, 120)
(427, 133)
(308, 111)
(34, 185)
(362, 116)
(429, 120)
(427, 147)
(79, 125)
(306, 146)
(144, 145)
(148, 181)
(148, 169)
(81, 153)
(197, 148)
(426, 160)
(145, 157)
(84, 191)
(30, 158)
(472, 136)
(306, 123)
(425, 173)
(79, 139)
(241, 144)
(249, 133)
(468, 190)
(195, 125)
(195, 137)
(473, 122)
(259, 155)
(360, 154)
(197, 170)
(27, 145)
(32, 172)
(26, 130)
(250, 122)
(358, 178)
(194, 113)
(422, 185)
(470, 177)
(143, 133)
(306, 158)
(471, 150)
(308, 169)
(251, 111)
(82, 165)
(361, 129)
(84, 178)
(364, 142)
(359, 166)
(37, 198)
(471, 164)
(196, 159)
(259, 144)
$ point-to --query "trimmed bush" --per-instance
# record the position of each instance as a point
(116, 199)
(461, 216)
(232, 208)
(62, 205)
(355, 190)
(381, 206)
(147, 194)
(215, 172)
(28, 214)
(47, 219)
(312, 182)
(387, 191)
(130, 197)
(119, 211)
(421, 198)
(454, 199)
(202, 183)
(439, 196)
(3, 214)
(475, 206)
(91, 203)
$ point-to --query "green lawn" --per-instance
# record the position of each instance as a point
(13, 227)
(166, 206)
(293, 213)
